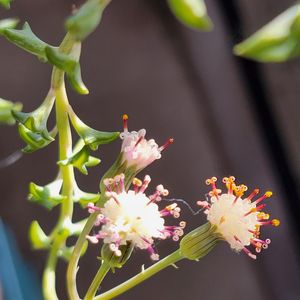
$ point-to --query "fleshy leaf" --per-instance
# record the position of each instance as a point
(48, 196)
(27, 40)
(63, 61)
(35, 140)
(86, 18)
(6, 108)
(5, 3)
(33, 126)
(75, 80)
(70, 64)
(91, 137)
(39, 240)
(277, 41)
(8, 24)
(191, 13)
(81, 159)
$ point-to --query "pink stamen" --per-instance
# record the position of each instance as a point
(92, 208)
(146, 182)
(125, 123)
(254, 193)
(166, 145)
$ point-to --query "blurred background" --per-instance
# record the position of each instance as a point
(228, 116)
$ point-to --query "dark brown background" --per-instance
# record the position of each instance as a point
(228, 116)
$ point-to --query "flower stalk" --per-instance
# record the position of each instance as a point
(168, 261)
(193, 246)
(103, 270)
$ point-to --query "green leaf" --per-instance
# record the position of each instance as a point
(80, 159)
(35, 140)
(86, 18)
(191, 13)
(63, 61)
(33, 126)
(76, 82)
(5, 3)
(277, 41)
(39, 240)
(91, 137)
(48, 196)
(70, 64)
(8, 24)
(27, 40)
(6, 108)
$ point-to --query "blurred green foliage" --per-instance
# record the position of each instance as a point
(277, 41)
(191, 13)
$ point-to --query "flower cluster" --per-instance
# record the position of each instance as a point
(137, 150)
(131, 216)
(238, 219)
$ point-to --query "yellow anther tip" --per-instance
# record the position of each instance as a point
(232, 178)
(207, 181)
(125, 117)
(268, 194)
(275, 222)
(137, 182)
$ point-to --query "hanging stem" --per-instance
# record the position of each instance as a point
(103, 270)
(145, 274)
(65, 149)
(72, 267)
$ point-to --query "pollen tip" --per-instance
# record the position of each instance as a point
(268, 194)
(125, 117)
(275, 222)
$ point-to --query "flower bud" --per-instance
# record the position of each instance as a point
(199, 242)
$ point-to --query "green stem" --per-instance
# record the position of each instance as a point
(103, 270)
(65, 149)
(49, 290)
(145, 274)
(72, 267)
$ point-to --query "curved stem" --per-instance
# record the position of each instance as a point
(67, 173)
(49, 290)
(145, 274)
(72, 267)
(103, 270)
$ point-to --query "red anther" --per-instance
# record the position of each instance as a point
(166, 144)
(125, 122)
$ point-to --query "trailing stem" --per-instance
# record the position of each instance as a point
(59, 233)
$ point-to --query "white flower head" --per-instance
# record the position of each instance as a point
(132, 217)
(137, 150)
(238, 219)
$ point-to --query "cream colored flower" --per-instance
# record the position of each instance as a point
(238, 219)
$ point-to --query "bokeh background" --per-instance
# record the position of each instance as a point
(227, 115)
